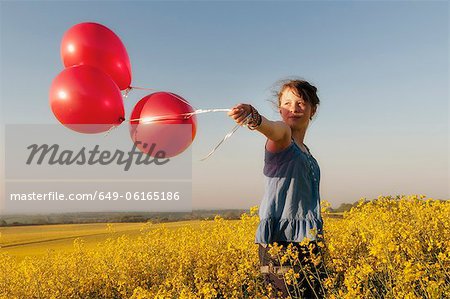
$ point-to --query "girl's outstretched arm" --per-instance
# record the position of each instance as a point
(278, 133)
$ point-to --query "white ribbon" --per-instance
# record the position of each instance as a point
(226, 137)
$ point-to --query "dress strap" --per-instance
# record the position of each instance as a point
(307, 148)
(303, 144)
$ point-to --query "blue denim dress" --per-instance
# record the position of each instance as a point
(290, 208)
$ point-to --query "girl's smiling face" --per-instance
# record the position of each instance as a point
(294, 110)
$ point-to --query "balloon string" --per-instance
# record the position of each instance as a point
(141, 88)
(127, 91)
(236, 127)
(187, 116)
(176, 116)
(110, 130)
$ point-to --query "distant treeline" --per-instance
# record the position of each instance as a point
(344, 207)
(154, 217)
(102, 217)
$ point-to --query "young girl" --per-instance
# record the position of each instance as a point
(290, 209)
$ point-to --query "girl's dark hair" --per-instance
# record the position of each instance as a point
(300, 87)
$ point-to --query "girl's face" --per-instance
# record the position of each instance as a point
(294, 110)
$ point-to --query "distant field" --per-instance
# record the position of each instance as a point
(36, 240)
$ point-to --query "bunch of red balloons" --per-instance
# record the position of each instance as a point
(86, 96)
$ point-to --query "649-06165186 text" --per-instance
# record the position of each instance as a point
(98, 196)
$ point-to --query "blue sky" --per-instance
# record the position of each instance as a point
(381, 68)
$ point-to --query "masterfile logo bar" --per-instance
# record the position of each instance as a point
(51, 169)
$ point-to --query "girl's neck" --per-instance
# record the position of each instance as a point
(299, 135)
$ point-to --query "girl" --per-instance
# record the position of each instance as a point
(290, 209)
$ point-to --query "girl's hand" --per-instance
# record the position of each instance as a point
(278, 133)
(239, 113)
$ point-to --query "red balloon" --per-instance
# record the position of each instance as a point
(157, 126)
(84, 95)
(96, 45)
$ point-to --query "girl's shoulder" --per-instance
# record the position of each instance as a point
(290, 153)
(279, 146)
(273, 148)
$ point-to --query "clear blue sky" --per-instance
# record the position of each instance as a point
(381, 68)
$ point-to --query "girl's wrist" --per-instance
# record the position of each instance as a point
(255, 119)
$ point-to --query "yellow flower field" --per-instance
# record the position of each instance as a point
(386, 248)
